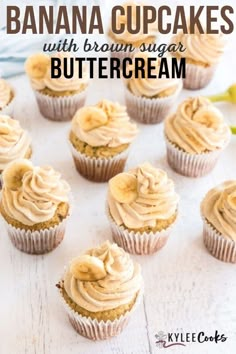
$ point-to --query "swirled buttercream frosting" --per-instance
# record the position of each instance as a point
(219, 208)
(14, 141)
(38, 69)
(31, 194)
(197, 126)
(105, 124)
(5, 93)
(204, 48)
(151, 87)
(142, 197)
(104, 278)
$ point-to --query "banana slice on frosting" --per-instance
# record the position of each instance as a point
(14, 173)
(36, 66)
(87, 268)
(91, 118)
(124, 188)
(208, 116)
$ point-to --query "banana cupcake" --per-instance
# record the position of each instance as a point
(195, 136)
(142, 209)
(15, 142)
(100, 137)
(100, 289)
(7, 96)
(218, 211)
(202, 52)
(125, 39)
(58, 99)
(149, 100)
(34, 205)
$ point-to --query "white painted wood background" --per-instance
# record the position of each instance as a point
(185, 288)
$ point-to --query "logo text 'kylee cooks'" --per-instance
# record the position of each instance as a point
(167, 340)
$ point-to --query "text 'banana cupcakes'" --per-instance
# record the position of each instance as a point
(34, 205)
(100, 289)
(58, 99)
(100, 137)
(126, 38)
(142, 209)
(195, 137)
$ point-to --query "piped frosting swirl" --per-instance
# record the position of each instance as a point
(14, 141)
(5, 94)
(38, 68)
(219, 208)
(105, 124)
(197, 126)
(141, 197)
(31, 194)
(104, 278)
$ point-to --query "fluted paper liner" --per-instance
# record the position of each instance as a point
(191, 165)
(99, 169)
(197, 76)
(150, 110)
(60, 108)
(39, 241)
(140, 243)
(9, 109)
(94, 329)
(217, 244)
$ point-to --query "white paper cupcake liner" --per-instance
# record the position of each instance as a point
(94, 329)
(99, 169)
(37, 242)
(217, 244)
(191, 165)
(60, 108)
(150, 110)
(9, 109)
(140, 243)
(198, 77)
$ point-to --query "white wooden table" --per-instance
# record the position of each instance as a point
(185, 288)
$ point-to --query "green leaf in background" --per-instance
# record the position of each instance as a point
(233, 129)
(227, 96)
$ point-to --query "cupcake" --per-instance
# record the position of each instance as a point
(142, 209)
(58, 99)
(125, 40)
(100, 137)
(202, 53)
(7, 96)
(100, 289)
(218, 211)
(34, 205)
(15, 142)
(149, 100)
(195, 136)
